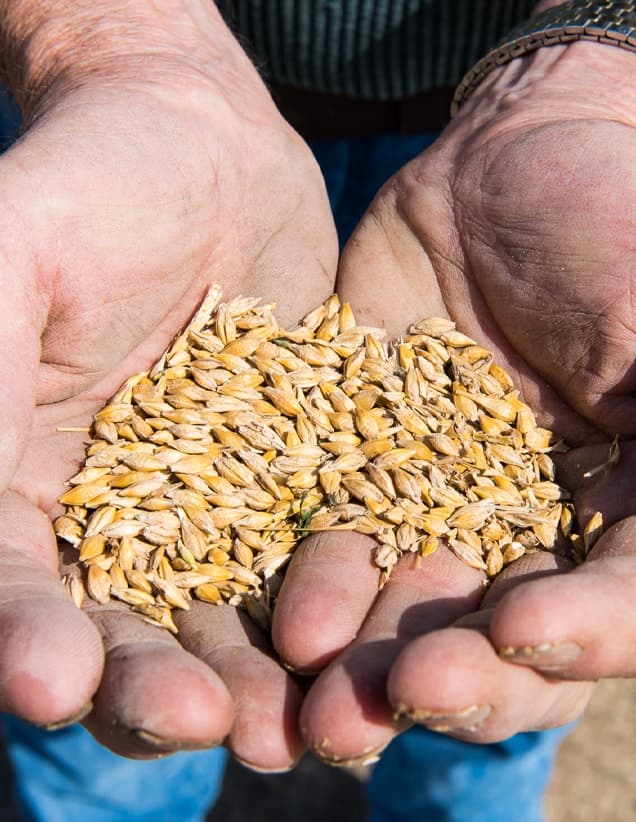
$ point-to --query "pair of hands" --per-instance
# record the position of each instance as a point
(125, 198)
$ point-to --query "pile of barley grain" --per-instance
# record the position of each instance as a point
(204, 473)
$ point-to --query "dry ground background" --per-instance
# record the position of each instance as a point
(595, 778)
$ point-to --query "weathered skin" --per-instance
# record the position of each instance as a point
(138, 184)
(518, 223)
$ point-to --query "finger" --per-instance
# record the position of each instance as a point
(454, 681)
(51, 655)
(580, 625)
(346, 715)
(154, 698)
(529, 567)
(161, 694)
(601, 478)
(328, 589)
(264, 735)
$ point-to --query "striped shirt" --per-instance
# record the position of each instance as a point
(370, 49)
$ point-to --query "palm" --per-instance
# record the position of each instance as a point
(532, 268)
(129, 255)
(132, 229)
(538, 271)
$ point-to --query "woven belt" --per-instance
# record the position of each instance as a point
(317, 115)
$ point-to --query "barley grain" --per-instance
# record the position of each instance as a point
(203, 473)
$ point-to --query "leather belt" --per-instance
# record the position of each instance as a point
(318, 115)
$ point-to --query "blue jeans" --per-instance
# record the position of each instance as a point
(65, 776)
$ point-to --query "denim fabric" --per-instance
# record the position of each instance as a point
(427, 777)
(355, 169)
(9, 119)
(66, 776)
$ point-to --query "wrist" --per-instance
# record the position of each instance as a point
(576, 80)
(563, 26)
(52, 47)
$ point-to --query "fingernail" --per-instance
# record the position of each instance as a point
(299, 671)
(477, 621)
(260, 769)
(368, 757)
(465, 720)
(161, 743)
(84, 711)
(546, 655)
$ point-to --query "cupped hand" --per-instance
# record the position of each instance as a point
(518, 224)
(129, 194)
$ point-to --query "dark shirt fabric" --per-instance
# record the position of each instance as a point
(370, 49)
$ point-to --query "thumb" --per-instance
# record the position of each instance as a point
(51, 654)
(386, 273)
